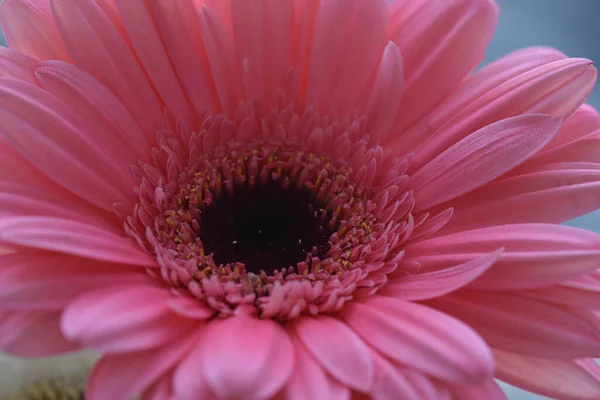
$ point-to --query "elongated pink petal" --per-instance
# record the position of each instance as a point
(539, 90)
(221, 55)
(143, 368)
(263, 34)
(468, 94)
(534, 255)
(338, 349)
(189, 382)
(566, 190)
(489, 390)
(347, 32)
(97, 47)
(514, 323)
(562, 379)
(583, 122)
(438, 283)
(99, 106)
(481, 157)
(29, 28)
(148, 46)
(309, 380)
(17, 65)
(134, 317)
(392, 383)
(240, 359)
(33, 334)
(582, 292)
(180, 30)
(35, 122)
(72, 237)
(384, 100)
(50, 281)
(422, 338)
(585, 149)
(429, 41)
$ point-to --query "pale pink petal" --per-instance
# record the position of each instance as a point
(246, 357)
(151, 52)
(438, 283)
(133, 317)
(179, 26)
(17, 65)
(489, 390)
(422, 338)
(263, 33)
(481, 157)
(515, 323)
(534, 255)
(50, 281)
(384, 100)
(35, 122)
(583, 292)
(538, 90)
(346, 32)
(72, 237)
(29, 28)
(429, 41)
(562, 379)
(549, 193)
(585, 149)
(221, 55)
(391, 383)
(99, 106)
(190, 308)
(308, 381)
(338, 349)
(33, 334)
(97, 47)
(583, 122)
(142, 369)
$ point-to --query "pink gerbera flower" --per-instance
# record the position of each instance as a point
(296, 199)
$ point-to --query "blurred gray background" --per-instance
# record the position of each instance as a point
(569, 25)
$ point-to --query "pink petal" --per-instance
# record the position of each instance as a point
(122, 376)
(149, 48)
(99, 106)
(582, 292)
(338, 349)
(190, 308)
(161, 389)
(489, 390)
(554, 193)
(263, 35)
(308, 381)
(514, 323)
(481, 157)
(29, 28)
(384, 100)
(35, 122)
(429, 41)
(50, 281)
(534, 255)
(240, 359)
(583, 122)
(585, 149)
(17, 65)
(33, 334)
(133, 317)
(221, 55)
(391, 383)
(72, 237)
(543, 90)
(476, 86)
(421, 338)
(562, 379)
(181, 33)
(97, 47)
(438, 283)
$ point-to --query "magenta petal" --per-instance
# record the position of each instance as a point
(422, 338)
(338, 349)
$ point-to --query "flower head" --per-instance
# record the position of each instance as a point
(296, 199)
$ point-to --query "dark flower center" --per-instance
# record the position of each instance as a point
(266, 228)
